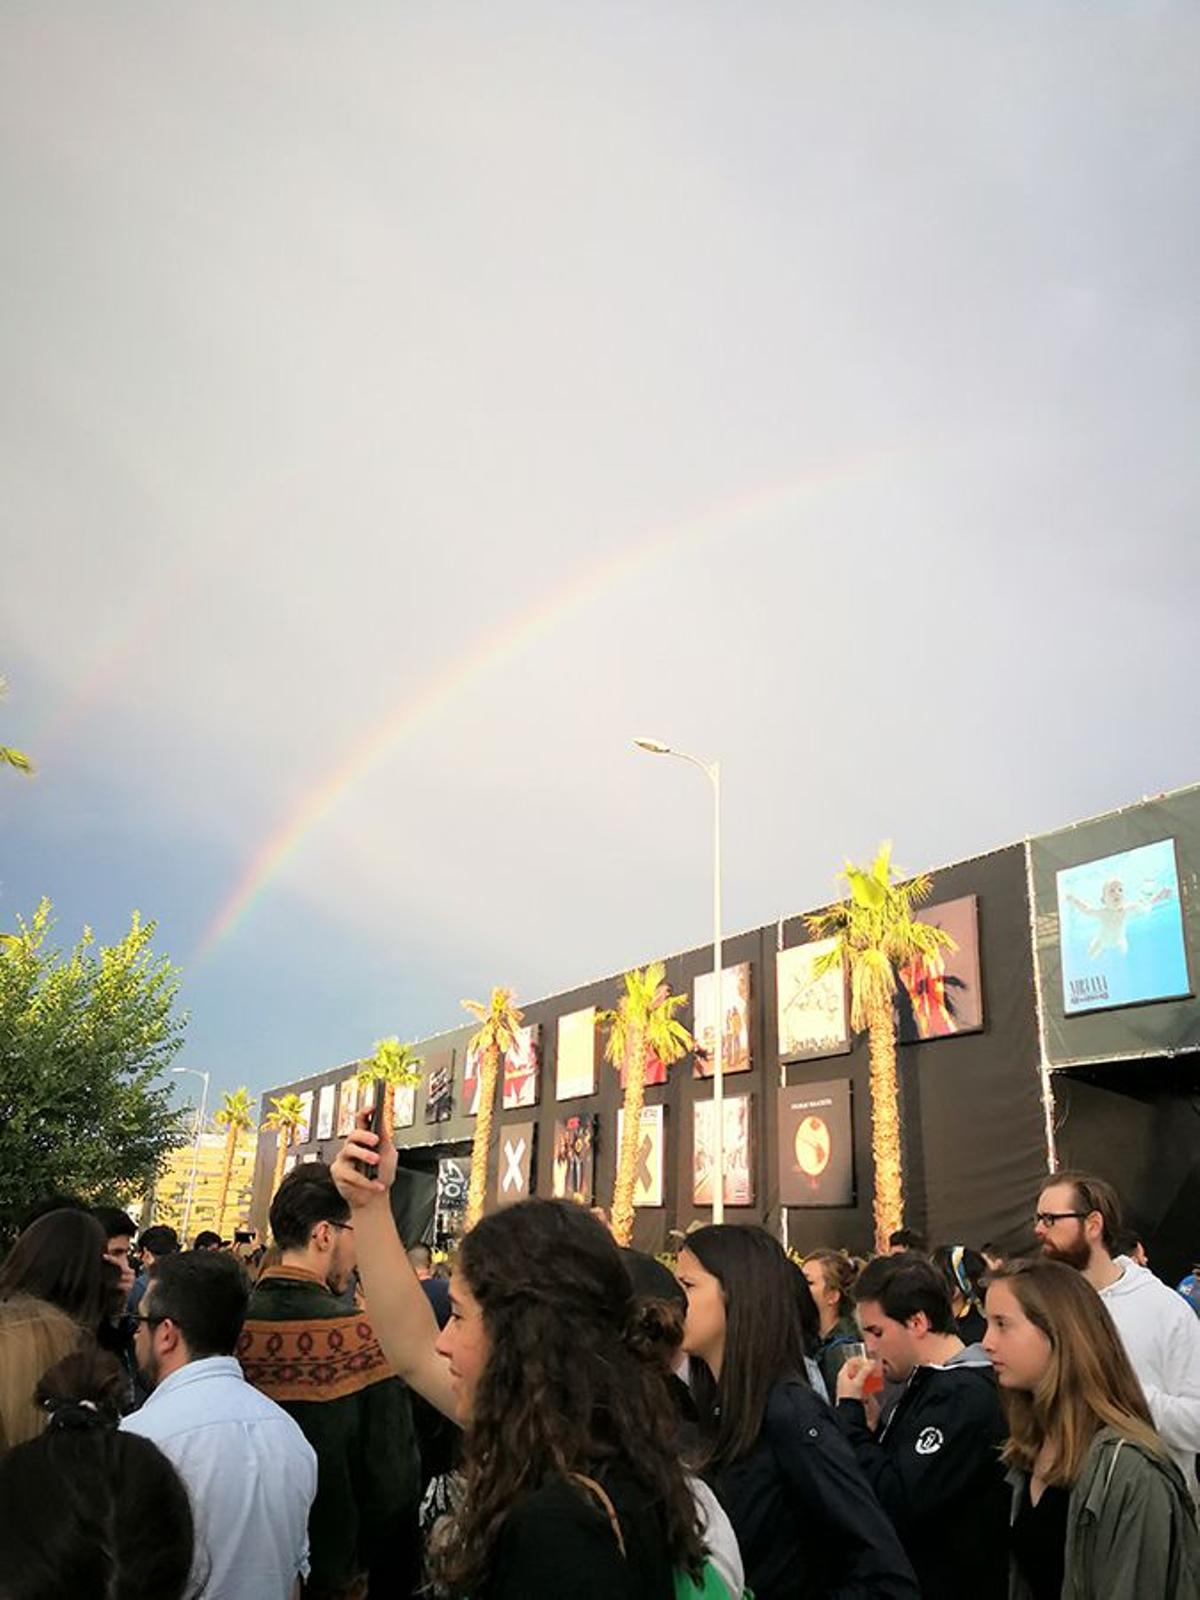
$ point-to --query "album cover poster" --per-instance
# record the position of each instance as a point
(347, 1106)
(472, 1072)
(326, 1101)
(304, 1126)
(1121, 936)
(941, 995)
(811, 1008)
(574, 1158)
(404, 1105)
(735, 1035)
(514, 1181)
(439, 1099)
(738, 1151)
(648, 1167)
(576, 1065)
(816, 1144)
(522, 1062)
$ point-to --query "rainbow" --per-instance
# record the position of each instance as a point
(501, 644)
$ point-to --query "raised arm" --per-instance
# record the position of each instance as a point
(400, 1314)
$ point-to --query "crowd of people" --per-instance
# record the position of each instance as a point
(328, 1418)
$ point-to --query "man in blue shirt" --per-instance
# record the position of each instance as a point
(250, 1473)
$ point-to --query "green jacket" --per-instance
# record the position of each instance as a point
(1131, 1527)
(315, 1354)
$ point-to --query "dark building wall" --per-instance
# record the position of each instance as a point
(974, 1144)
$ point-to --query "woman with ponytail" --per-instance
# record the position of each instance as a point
(572, 1479)
(86, 1510)
(964, 1271)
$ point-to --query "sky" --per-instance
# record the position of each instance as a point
(405, 407)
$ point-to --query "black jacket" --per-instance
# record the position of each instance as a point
(558, 1540)
(936, 1469)
(806, 1521)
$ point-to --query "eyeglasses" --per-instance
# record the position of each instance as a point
(1047, 1219)
(151, 1322)
(343, 1227)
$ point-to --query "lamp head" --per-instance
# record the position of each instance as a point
(655, 746)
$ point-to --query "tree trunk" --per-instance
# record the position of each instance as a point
(281, 1151)
(231, 1134)
(631, 1134)
(885, 1125)
(477, 1188)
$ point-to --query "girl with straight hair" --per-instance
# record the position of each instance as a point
(60, 1258)
(34, 1336)
(573, 1482)
(1099, 1508)
(805, 1517)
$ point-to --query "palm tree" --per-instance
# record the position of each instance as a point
(875, 933)
(287, 1116)
(394, 1065)
(9, 757)
(236, 1116)
(499, 1021)
(643, 1023)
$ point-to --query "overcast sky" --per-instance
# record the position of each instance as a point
(405, 406)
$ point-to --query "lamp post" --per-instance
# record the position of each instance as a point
(712, 772)
(187, 1208)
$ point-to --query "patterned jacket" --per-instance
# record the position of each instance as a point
(315, 1354)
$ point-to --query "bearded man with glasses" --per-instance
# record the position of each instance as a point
(1077, 1221)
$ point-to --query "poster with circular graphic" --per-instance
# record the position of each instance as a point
(816, 1144)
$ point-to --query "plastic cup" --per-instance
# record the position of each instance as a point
(874, 1378)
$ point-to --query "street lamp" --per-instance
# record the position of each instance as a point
(187, 1209)
(712, 772)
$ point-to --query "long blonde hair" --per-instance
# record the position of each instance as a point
(1088, 1384)
(34, 1336)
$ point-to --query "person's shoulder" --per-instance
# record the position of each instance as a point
(560, 1509)
(963, 1400)
(794, 1409)
(1116, 1467)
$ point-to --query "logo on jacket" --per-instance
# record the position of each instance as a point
(929, 1441)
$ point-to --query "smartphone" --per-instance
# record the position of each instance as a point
(241, 1237)
(375, 1125)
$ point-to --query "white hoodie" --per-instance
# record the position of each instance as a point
(1161, 1335)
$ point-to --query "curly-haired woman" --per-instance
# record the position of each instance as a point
(573, 1482)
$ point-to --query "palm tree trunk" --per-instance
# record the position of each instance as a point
(885, 1125)
(477, 1187)
(631, 1135)
(281, 1151)
(231, 1134)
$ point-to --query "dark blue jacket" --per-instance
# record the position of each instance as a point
(935, 1466)
(806, 1520)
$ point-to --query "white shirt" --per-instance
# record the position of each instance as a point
(1161, 1335)
(249, 1471)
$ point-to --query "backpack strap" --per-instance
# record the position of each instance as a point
(601, 1494)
